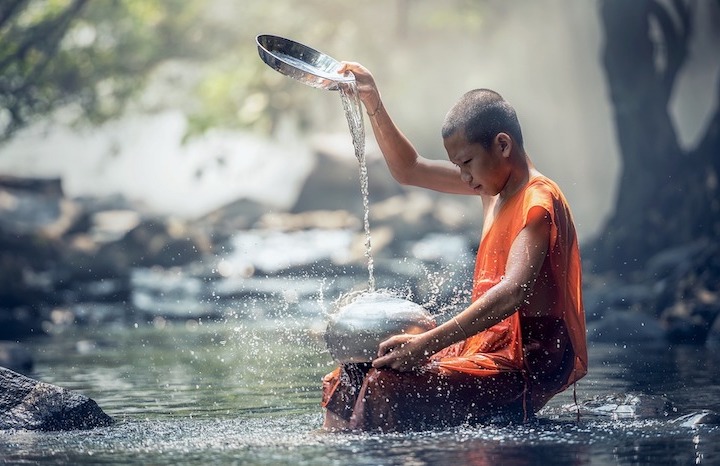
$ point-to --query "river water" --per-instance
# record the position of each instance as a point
(246, 391)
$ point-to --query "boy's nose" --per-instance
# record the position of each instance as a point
(465, 176)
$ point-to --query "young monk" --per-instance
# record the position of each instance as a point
(522, 339)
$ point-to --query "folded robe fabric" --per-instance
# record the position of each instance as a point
(543, 341)
(558, 292)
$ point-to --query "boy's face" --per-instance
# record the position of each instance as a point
(485, 171)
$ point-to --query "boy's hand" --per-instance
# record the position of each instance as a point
(369, 94)
(401, 352)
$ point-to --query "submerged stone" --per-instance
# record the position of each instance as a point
(625, 405)
(704, 417)
(29, 404)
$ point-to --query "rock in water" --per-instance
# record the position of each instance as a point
(704, 417)
(625, 406)
(355, 331)
(29, 404)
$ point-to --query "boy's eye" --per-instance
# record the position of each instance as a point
(466, 162)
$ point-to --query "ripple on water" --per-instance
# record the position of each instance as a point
(296, 439)
(211, 395)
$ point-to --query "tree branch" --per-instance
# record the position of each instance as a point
(52, 42)
(8, 9)
(45, 35)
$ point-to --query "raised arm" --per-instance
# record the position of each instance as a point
(405, 164)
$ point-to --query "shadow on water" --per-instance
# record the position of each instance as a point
(248, 393)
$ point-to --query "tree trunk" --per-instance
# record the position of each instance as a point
(666, 197)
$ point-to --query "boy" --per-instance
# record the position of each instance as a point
(522, 339)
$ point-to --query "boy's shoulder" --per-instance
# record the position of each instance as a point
(541, 185)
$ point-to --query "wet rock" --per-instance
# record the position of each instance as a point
(625, 405)
(96, 264)
(625, 327)
(679, 287)
(35, 206)
(112, 225)
(230, 218)
(29, 404)
(15, 357)
(692, 303)
(334, 183)
(415, 216)
(31, 220)
(705, 417)
(44, 186)
(675, 262)
(684, 326)
(94, 204)
(409, 215)
(55, 251)
(105, 218)
(165, 243)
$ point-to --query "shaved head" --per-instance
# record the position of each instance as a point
(482, 114)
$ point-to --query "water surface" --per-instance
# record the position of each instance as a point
(247, 392)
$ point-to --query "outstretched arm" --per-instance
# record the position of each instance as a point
(405, 165)
(527, 254)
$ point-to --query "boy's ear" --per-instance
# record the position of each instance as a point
(504, 143)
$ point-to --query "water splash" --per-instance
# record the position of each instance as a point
(351, 104)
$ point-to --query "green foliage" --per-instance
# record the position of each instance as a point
(94, 57)
(93, 54)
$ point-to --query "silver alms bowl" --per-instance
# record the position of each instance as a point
(301, 62)
(355, 330)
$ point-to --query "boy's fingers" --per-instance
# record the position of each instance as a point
(386, 346)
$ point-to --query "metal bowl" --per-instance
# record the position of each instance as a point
(355, 330)
(301, 62)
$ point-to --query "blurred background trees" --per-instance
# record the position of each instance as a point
(91, 58)
(88, 61)
(87, 57)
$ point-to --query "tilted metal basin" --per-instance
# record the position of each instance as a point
(355, 330)
(301, 62)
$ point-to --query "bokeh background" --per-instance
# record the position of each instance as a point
(148, 133)
(200, 94)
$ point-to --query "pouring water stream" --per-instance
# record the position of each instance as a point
(351, 104)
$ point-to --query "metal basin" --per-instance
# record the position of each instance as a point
(301, 62)
(355, 330)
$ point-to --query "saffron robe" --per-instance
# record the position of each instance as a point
(521, 361)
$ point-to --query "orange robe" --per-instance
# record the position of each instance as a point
(558, 290)
(522, 361)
